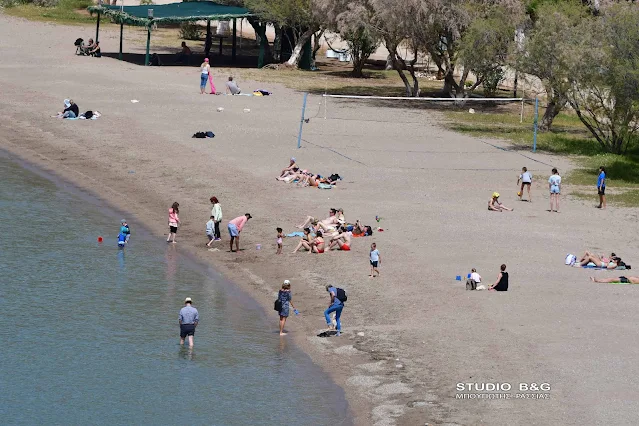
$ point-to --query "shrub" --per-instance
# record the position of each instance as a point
(190, 31)
(146, 2)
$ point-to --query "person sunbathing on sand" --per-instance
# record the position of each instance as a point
(330, 220)
(341, 240)
(599, 261)
(622, 280)
(360, 229)
(305, 241)
(292, 167)
(495, 205)
(317, 245)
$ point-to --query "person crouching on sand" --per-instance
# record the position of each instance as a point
(210, 231)
(174, 221)
(495, 205)
(235, 227)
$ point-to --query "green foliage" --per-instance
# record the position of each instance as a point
(362, 43)
(65, 11)
(190, 31)
(145, 2)
(492, 78)
(605, 79)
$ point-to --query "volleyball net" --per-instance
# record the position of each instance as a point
(492, 115)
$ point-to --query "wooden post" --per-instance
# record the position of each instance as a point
(234, 49)
(121, 34)
(97, 29)
(148, 43)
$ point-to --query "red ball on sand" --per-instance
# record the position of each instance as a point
(99, 239)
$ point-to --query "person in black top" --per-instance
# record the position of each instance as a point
(71, 110)
(94, 50)
(502, 280)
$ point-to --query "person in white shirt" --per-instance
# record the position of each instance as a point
(475, 276)
(526, 181)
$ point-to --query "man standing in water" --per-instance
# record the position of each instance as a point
(235, 227)
(188, 320)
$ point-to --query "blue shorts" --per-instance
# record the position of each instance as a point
(233, 230)
(554, 190)
(203, 80)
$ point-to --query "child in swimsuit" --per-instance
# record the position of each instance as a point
(280, 240)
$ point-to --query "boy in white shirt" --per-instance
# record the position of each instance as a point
(526, 180)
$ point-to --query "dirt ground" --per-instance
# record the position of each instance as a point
(411, 335)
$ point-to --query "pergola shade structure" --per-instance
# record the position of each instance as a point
(173, 13)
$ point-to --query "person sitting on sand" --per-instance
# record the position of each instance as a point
(232, 87)
(185, 54)
(495, 205)
(305, 241)
(341, 240)
(330, 220)
(292, 167)
(71, 110)
(317, 245)
(622, 280)
(502, 280)
(599, 261)
(94, 49)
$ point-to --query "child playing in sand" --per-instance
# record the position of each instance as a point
(526, 181)
(125, 230)
(210, 230)
(375, 260)
(174, 220)
(495, 205)
(280, 240)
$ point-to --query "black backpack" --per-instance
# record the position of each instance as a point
(341, 295)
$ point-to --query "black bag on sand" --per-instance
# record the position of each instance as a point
(341, 295)
(471, 284)
(277, 306)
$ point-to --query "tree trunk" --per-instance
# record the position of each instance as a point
(294, 60)
(277, 44)
(265, 55)
(451, 88)
(551, 112)
(389, 62)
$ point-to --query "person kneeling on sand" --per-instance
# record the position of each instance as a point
(305, 241)
(317, 245)
(622, 280)
(495, 205)
(502, 280)
(341, 240)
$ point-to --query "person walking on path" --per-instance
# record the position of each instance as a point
(554, 185)
(601, 187)
(188, 319)
(285, 299)
(174, 221)
(336, 306)
(216, 212)
(375, 260)
(235, 227)
(205, 68)
(502, 281)
(526, 181)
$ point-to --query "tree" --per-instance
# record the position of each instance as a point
(605, 78)
(301, 16)
(549, 52)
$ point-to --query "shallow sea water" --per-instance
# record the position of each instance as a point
(89, 332)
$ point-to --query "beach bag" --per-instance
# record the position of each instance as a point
(277, 306)
(341, 295)
(571, 259)
(471, 284)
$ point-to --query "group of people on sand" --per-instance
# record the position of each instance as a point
(554, 187)
(292, 173)
(234, 226)
(501, 284)
(206, 75)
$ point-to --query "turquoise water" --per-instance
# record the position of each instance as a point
(89, 333)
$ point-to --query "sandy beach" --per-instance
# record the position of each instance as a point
(411, 335)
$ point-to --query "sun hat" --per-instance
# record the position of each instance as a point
(495, 194)
(292, 158)
(67, 103)
(287, 282)
(123, 221)
(187, 300)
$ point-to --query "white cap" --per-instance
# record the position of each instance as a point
(67, 103)
(287, 282)
(187, 300)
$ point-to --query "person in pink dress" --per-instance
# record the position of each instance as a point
(235, 227)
